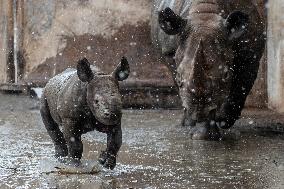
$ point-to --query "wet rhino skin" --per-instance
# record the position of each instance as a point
(201, 18)
(167, 43)
(82, 100)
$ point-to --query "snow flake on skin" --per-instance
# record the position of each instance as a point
(72, 139)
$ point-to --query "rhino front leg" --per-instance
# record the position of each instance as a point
(245, 73)
(114, 141)
(73, 138)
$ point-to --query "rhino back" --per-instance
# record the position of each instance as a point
(65, 95)
(58, 82)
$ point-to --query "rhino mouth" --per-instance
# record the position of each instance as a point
(206, 116)
(205, 126)
(109, 118)
(109, 121)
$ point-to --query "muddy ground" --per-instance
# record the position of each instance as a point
(156, 153)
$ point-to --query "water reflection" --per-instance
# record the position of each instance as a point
(155, 154)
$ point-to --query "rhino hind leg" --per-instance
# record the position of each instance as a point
(53, 130)
(73, 139)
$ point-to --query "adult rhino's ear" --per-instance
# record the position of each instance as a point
(170, 22)
(236, 24)
(122, 71)
(84, 71)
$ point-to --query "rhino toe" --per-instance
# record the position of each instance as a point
(61, 151)
(102, 157)
(198, 132)
(110, 162)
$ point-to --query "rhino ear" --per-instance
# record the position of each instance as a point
(84, 71)
(170, 22)
(236, 24)
(122, 71)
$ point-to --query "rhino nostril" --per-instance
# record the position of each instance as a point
(209, 84)
(226, 76)
(107, 114)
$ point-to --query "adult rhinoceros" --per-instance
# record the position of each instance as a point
(216, 46)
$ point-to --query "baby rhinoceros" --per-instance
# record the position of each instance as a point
(80, 101)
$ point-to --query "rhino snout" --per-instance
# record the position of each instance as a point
(112, 114)
(107, 113)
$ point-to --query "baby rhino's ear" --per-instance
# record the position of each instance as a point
(121, 72)
(84, 71)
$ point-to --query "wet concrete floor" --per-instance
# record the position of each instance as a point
(155, 152)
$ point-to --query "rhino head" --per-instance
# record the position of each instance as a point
(103, 96)
(204, 60)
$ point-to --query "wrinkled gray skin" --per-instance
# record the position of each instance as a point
(215, 46)
(80, 101)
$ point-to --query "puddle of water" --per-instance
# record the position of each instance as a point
(155, 154)
(162, 155)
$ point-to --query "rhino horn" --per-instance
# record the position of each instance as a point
(198, 70)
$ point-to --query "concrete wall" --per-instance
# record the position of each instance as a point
(276, 55)
(2, 42)
(58, 33)
(4, 19)
(49, 23)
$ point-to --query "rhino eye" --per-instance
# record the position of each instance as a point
(209, 65)
(179, 80)
(179, 83)
(226, 76)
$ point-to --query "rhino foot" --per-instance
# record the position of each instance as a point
(187, 122)
(110, 162)
(204, 131)
(102, 157)
(61, 151)
(107, 160)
